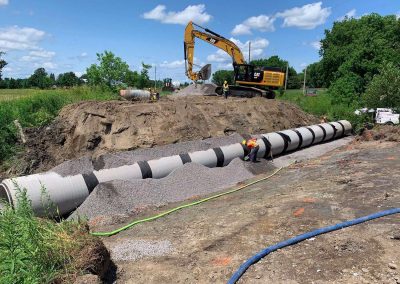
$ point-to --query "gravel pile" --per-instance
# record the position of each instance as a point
(206, 89)
(74, 167)
(129, 197)
(130, 157)
(137, 249)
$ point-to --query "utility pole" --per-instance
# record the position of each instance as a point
(287, 75)
(249, 50)
(155, 77)
(304, 84)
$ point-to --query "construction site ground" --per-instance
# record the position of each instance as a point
(208, 242)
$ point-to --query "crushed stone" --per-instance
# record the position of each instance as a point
(130, 197)
(136, 249)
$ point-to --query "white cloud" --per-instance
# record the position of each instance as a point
(42, 53)
(195, 13)
(38, 55)
(316, 45)
(349, 14)
(78, 73)
(3, 2)
(83, 54)
(16, 38)
(173, 64)
(257, 50)
(48, 65)
(398, 15)
(219, 56)
(262, 23)
(241, 29)
(306, 17)
(178, 63)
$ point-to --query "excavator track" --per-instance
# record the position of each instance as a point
(247, 92)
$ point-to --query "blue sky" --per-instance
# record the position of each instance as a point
(62, 35)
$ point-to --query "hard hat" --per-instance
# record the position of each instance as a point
(244, 142)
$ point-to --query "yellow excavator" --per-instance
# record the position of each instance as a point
(251, 81)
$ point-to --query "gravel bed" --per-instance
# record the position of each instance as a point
(130, 157)
(129, 250)
(192, 180)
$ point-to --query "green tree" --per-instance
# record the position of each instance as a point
(223, 75)
(110, 72)
(52, 79)
(384, 89)
(67, 79)
(132, 78)
(144, 80)
(3, 63)
(314, 76)
(40, 79)
(354, 50)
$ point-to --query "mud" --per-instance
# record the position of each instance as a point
(95, 128)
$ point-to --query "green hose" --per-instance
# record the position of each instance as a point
(111, 233)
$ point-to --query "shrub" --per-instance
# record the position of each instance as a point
(384, 89)
(34, 250)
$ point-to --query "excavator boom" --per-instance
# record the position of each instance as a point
(212, 38)
(247, 76)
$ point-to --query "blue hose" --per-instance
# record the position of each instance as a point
(242, 269)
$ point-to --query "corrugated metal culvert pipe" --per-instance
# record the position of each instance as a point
(69, 192)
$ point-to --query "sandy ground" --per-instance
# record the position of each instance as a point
(207, 243)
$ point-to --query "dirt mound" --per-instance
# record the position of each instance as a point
(381, 132)
(206, 89)
(95, 128)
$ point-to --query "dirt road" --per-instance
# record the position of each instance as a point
(207, 243)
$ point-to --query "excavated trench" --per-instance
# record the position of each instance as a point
(91, 129)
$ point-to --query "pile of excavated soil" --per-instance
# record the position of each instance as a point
(206, 89)
(381, 132)
(94, 128)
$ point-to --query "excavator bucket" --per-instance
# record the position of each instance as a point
(205, 72)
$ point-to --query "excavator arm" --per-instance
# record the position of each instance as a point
(212, 38)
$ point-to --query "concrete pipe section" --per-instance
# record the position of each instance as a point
(67, 193)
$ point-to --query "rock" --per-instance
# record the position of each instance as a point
(392, 266)
(365, 270)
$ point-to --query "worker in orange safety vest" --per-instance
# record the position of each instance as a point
(253, 147)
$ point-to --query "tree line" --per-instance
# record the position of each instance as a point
(360, 63)
(111, 72)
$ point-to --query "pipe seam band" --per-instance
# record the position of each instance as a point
(313, 135)
(91, 181)
(324, 132)
(145, 169)
(286, 140)
(300, 138)
(267, 147)
(341, 124)
(334, 130)
(185, 158)
(220, 157)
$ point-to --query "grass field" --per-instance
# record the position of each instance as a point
(320, 105)
(13, 94)
(36, 108)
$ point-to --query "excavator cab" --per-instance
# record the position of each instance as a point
(247, 73)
